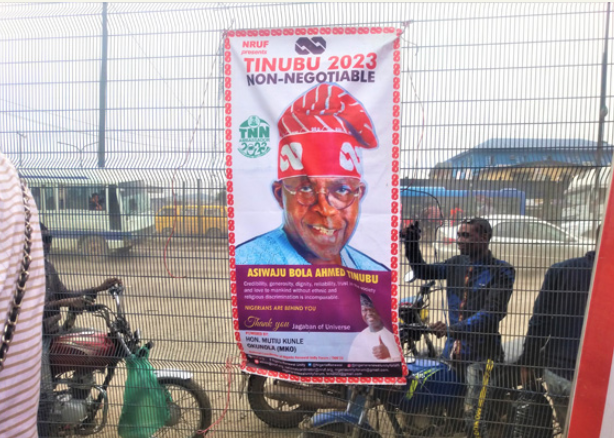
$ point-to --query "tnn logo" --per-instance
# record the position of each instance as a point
(261, 131)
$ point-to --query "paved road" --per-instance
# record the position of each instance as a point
(181, 302)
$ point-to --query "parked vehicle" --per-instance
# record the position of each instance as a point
(419, 202)
(578, 214)
(119, 220)
(80, 358)
(522, 241)
(414, 312)
(284, 405)
(210, 220)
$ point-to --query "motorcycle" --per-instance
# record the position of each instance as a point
(284, 405)
(431, 402)
(78, 358)
(430, 405)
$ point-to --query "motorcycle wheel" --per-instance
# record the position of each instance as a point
(190, 410)
(275, 413)
(436, 421)
(340, 429)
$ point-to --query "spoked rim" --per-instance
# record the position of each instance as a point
(185, 412)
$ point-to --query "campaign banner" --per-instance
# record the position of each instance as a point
(312, 122)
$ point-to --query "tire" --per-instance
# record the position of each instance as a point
(436, 421)
(273, 412)
(93, 246)
(341, 428)
(190, 411)
(122, 252)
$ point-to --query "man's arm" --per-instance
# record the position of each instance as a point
(411, 237)
(495, 307)
(76, 302)
(61, 292)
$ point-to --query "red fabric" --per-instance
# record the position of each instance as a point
(597, 348)
(316, 126)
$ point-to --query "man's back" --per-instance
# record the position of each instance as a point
(558, 316)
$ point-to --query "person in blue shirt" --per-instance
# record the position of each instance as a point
(553, 337)
(479, 288)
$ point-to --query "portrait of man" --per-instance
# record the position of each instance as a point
(375, 343)
(319, 183)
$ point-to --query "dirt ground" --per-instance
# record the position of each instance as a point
(181, 301)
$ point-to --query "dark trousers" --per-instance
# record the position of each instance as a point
(45, 405)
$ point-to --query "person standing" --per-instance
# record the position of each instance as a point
(553, 337)
(57, 295)
(479, 288)
(20, 370)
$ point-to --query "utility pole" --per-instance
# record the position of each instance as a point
(21, 137)
(103, 91)
(603, 112)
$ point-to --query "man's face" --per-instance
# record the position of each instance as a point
(372, 318)
(470, 241)
(320, 214)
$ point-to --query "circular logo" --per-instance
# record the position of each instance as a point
(254, 137)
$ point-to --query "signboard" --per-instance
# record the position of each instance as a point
(312, 152)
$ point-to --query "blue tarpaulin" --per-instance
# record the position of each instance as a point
(518, 152)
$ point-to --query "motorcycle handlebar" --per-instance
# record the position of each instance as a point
(416, 327)
(425, 289)
(116, 289)
(94, 307)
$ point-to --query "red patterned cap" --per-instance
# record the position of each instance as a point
(322, 134)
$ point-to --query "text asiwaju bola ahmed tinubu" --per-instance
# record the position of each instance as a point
(318, 287)
(307, 299)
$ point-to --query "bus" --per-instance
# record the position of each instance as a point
(91, 211)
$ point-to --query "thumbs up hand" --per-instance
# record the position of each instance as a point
(381, 351)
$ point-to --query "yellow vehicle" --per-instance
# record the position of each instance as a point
(213, 220)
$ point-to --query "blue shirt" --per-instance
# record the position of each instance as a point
(488, 284)
(274, 248)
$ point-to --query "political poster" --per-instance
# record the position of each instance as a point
(312, 122)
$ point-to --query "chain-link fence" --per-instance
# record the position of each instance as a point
(503, 117)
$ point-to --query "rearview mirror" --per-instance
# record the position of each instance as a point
(409, 276)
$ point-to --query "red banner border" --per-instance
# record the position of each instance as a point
(395, 156)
